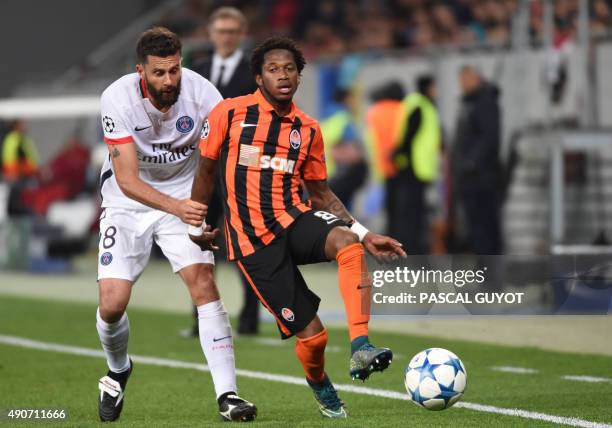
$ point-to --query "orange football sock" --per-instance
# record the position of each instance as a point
(355, 288)
(311, 353)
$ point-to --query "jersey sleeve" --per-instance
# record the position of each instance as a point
(213, 132)
(314, 166)
(113, 124)
(212, 97)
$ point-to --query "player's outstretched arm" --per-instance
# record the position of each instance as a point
(201, 192)
(383, 248)
(125, 165)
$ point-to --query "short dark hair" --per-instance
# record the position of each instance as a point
(257, 58)
(157, 41)
(392, 90)
(424, 82)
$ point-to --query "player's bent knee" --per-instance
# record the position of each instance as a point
(110, 312)
(205, 278)
(114, 298)
(200, 280)
(349, 238)
(339, 238)
(111, 308)
(313, 328)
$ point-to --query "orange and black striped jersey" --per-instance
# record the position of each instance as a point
(262, 159)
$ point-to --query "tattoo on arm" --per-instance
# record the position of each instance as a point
(334, 206)
(322, 198)
(115, 152)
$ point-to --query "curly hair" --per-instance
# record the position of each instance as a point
(257, 58)
(157, 41)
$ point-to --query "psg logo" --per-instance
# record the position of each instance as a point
(295, 139)
(184, 124)
(287, 314)
(106, 259)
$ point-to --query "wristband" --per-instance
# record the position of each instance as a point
(195, 230)
(359, 229)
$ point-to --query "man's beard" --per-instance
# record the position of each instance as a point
(165, 97)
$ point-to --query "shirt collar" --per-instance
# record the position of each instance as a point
(263, 102)
(229, 62)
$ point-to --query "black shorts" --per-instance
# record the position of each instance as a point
(272, 271)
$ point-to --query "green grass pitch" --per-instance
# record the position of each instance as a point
(173, 397)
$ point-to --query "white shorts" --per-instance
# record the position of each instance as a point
(126, 237)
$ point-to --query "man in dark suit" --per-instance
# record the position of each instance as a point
(228, 67)
(229, 70)
(476, 165)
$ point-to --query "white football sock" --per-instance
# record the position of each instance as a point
(218, 345)
(114, 339)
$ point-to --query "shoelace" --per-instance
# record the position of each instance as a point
(367, 347)
(329, 397)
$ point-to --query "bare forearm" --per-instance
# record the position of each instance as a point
(125, 165)
(135, 188)
(329, 202)
(204, 182)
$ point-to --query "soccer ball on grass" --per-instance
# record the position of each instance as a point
(435, 379)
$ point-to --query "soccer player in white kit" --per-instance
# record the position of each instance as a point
(152, 120)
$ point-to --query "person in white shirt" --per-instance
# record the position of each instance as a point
(152, 122)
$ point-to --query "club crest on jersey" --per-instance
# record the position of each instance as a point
(184, 124)
(287, 314)
(106, 259)
(295, 139)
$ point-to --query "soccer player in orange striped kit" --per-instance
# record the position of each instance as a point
(264, 148)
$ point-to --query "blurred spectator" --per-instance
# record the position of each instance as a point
(331, 27)
(19, 164)
(382, 120)
(344, 151)
(422, 35)
(601, 17)
(497, 22)
(228, 69)
(445, 23)
(19, 154)
(416, 159)
(63, 178)
(476, 167)
(322, 41)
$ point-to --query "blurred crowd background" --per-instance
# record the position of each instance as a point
(508, 101)
(328, 28)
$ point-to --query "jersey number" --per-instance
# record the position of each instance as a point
(109, 237)
(329, 218)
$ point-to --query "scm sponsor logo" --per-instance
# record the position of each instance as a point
(277, 164)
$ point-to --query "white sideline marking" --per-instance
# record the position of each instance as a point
(269, 341)
(591, 379)
(165, 362)
(510, 369)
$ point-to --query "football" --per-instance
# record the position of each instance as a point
(435, 379)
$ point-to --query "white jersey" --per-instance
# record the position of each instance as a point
(166, 143)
